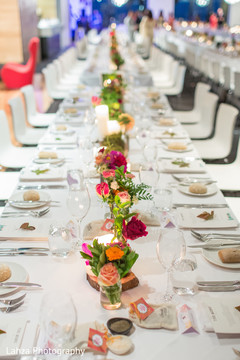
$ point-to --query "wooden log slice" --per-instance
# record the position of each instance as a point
(130, 281)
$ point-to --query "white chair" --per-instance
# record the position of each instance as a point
(179, 83)
(227, 78)
(51, 84)
(227, 175)
(163, 72)
(63, 78)
(237, 83)
(34, 117)
(169, 83)
(220, 145)
(193, 116)
(82, 50)
(12, 156)
(23, 134)
(204, 127)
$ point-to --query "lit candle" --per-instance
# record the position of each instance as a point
(102, 115)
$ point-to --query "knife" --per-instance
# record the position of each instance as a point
(28, 187)
(219, 288)
(23, 202)
(218, 283)
(18, 284)
(214, 245)
(28, 253)
(24, 249)
(194, 206)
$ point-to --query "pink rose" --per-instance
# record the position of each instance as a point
(114, 185)
(86, 250)
(109, 173)
(134, 229)
(96, 100)
(102, 189)
(108, 275)
(124, 196)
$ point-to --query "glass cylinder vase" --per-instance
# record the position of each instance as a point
(110, 296)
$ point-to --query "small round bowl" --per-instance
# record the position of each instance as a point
(112, 321)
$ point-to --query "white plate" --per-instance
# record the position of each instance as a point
(18, 274)
(27, 174)
(223, 218)
(50, 139)
(58, 160)
(18, 197)
(211, 190)
(189, 148)
(212, 256)
(195, 166)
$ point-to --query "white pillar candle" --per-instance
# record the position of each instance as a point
(102, 115)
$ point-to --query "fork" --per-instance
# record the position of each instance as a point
(12, 301)
(8, 309)
(34, 213)
(209, 236)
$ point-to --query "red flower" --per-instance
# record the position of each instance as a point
(109, 173)
(134, 229)
(117, 159)
(102, 190)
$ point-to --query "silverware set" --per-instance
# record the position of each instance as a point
(214, 286)
(199, 206)
(40, 187)
(212, 236)
(29, 251)
(35, 213)
(11, 304)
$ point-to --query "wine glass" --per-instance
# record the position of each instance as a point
(86, 149)
(78, 202)
(171, 248)
(58, 319)
(148, 174)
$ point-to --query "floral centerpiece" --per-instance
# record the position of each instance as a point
(120, 192)
(115, 55)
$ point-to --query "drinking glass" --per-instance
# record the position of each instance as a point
(163, 199)
(60, 239)
(58, 320)
(171, 249)
(78, 202)
(184, 276)
(86, 150)
(148, 174)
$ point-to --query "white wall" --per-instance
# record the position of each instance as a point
(234, 14)
(156, 5)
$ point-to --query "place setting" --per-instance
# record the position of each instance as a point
(42, 172)
(182, 165)
(177, 146)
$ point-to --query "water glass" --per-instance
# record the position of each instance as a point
(163, 199)
(75, 179)
(60, 240)
(183, 276)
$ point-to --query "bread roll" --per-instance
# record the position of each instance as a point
(31, 195)
(157, 106)
(5, 272)
(177, 146)
(47, 155)
(70, 111)
(198, 188)
(166, 122)
(61, 128)
(229, 255)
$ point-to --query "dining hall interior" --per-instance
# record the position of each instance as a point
(119, 179)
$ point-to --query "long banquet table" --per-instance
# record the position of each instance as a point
(70, 274)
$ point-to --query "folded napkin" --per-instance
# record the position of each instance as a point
(164, 316)
(29, 174)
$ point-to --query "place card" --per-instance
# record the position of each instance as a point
(97, 340)
(141, 308)
(186, 320)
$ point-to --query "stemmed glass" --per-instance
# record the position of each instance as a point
(86, 148)
(78, 202)
(58, 319)
(171, 248)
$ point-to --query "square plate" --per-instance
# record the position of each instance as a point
(223, 218)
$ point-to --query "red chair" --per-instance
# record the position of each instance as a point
(17, 75)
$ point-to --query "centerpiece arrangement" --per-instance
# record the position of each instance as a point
(115, 55)
(120, 193)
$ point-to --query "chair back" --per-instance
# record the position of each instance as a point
(18, 116)
(225, 122)
(227, 77)
(200, 91)
(180, 79)
(237, 83)
(208, 110)
(33, 51)
(30, 101)
(5, 138)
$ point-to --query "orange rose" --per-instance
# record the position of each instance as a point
(108, 275)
